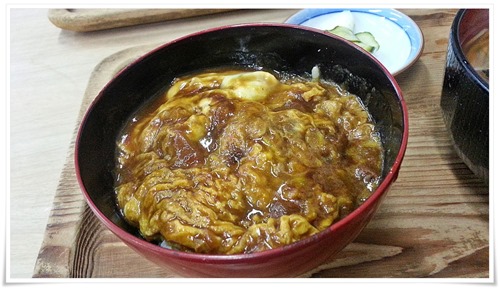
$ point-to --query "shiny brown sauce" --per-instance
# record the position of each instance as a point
(230, 162)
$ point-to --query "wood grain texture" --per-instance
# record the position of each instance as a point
(85, 20)
(433, 223)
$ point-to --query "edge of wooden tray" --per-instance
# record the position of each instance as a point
(86, 20)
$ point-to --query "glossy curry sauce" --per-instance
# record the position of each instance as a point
(230, 162)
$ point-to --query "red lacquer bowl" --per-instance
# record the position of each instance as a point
(278, 47)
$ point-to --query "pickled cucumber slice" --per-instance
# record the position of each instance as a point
(365, 46)
(364, 39)
(344, 32)
(368, 39)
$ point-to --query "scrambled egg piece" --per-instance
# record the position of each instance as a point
(238, 162)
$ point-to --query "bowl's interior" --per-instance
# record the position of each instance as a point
(282, 48)
(472, 35)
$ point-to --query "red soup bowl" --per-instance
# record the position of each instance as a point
(274, 47)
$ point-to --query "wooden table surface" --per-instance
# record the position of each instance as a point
(434, 222)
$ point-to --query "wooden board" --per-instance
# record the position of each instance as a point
(85, 20)
(434, 222)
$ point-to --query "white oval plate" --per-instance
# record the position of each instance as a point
(401, 40)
